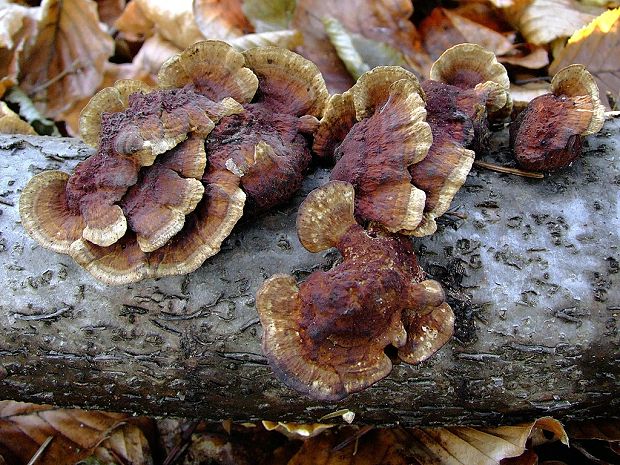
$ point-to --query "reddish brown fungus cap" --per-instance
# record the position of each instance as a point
(327, 336)
(448, 162)
(471, 67)
(387, 135)
(547, 135)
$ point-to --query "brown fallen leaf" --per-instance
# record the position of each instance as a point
(523, 94)
(383, 20)
(527, 56)
(24, 427)
(11, 123)
(64, 67)
(175, 21)
(425, 446)
(604, 430)
(542, 21)
(221, 19)
(18, 26)
(126, 445)
(154, 51)
(444, 28)
(110, 10)
(597, 46)
(133, 24)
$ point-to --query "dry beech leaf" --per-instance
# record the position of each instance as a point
(444, 28)
(133, 23)
(527, 56)
(18, 27)
(153, 53)
(126, 445)
(110, 10)
(382, 20)
(173, 20)
(358, 53)
(269, 15)
(63, 67)
(285, 39)
(24, 427)
(597, 46)
(542, 21)
(11, 123)
(221, 19)
(526, 458)
(423, 446)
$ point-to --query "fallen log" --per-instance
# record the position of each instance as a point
(531, 269)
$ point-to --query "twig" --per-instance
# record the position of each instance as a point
(355, 438)
(180, 448)
(40, 451)
(506, 169)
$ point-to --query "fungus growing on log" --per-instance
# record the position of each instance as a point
(547, 135)
(152, 202)
(327, 336)
(386, 164)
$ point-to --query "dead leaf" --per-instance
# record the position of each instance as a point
(126, 445)
(153, 53)
(597, 46)
(110, 10)
(221, 19)
(542, 21)
(527, 458)
(444, 28)
(173, 20)
(424, 446)
(133, 23)
(63, 67)
(42, 125)
(358, 53)
(18, 27)
(527, 56)
(24, 427)
(269, 15)
(383, 20)
(285, 39)
(11, 123)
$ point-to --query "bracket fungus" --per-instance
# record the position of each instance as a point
(402, 148)
(547, 135)
(326, 337)
(175, 163)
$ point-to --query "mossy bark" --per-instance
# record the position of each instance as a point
(531, 268)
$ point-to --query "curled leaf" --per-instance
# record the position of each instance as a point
(597, 46)
(63, 67)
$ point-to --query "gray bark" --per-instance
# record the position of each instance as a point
(531, 268)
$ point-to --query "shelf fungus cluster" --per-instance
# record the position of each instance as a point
(176, 165)
(327, 336)
(547, 135)
(401, 150)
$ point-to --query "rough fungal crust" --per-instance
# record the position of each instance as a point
(326, 337)
(547, 135)
(148, 204)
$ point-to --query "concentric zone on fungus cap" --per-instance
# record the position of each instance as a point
(547, 135)
(326, 337)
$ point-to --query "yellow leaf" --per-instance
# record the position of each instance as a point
(597, 46)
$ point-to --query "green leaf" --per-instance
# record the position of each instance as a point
(27, 110)
(269, 15)
(358, 53)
